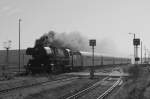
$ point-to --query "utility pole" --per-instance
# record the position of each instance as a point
(141, 52)
(148, 56)
(145, 54)
(19, 44)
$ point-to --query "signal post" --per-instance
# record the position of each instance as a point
(6, 68)
(136, 43)
(92, 43)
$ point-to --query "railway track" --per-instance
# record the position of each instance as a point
(97, 91)
(109, 90)
(5, 91)
(23, 90)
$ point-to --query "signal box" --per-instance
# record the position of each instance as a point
(136, 41)
(137, 58)
(92, 42)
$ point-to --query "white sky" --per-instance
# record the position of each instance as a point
(99, 19)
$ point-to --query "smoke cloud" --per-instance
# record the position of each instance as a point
(75, 41)
(72, 40)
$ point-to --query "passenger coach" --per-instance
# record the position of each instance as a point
(84, 59)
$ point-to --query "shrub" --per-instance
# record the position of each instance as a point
(134, 72)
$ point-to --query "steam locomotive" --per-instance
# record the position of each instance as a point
(52, 59)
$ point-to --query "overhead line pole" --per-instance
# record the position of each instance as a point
(19, 44)
(145, 54)
(141, 53)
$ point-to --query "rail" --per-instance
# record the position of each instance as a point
(85, 90)
(109, 90)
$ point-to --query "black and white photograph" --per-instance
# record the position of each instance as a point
(74, 49)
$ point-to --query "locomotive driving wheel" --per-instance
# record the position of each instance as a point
(57, 68)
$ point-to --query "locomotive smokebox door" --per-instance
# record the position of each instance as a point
(92, 42)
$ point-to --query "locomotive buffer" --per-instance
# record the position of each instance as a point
(92, 43)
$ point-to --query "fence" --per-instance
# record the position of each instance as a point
(13, 61)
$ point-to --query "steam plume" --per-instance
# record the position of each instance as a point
(75, 41)
(72, 40)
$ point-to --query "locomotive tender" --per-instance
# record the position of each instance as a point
(53, 59)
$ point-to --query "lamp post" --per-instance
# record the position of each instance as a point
(19, 44)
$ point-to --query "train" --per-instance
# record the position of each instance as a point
(52, 59)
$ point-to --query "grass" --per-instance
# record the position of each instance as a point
(137, 86)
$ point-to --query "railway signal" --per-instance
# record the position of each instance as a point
(7, 47)
(92, 43)
(136, 43)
